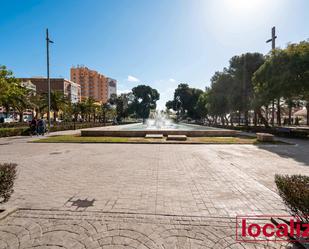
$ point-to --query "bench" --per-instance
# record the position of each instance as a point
(154, 136)
(177, 137)
(284, 130)
(265, 137)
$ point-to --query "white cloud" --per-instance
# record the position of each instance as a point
(172, 80)
(132, 79)
(123, 91)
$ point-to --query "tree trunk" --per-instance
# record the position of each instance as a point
(263, 120)
(255, 119)
(215, 120)
(222, 120)
(290, 114)
(278, 112)
(273, 113)
(55, 116)
(231, 120)
(7, 111)
(307, 107)
(226, 120)
(266, 112)
(21, 116)
(246, 114)
(239, 117)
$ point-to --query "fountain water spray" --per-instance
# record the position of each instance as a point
(159, 121)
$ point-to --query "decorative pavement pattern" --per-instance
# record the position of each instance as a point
(74, 229)
(141, 196)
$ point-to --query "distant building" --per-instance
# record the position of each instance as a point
(93, 84)
(29, 85)
(69, 88)
(112, 87)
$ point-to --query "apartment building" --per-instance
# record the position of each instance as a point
(93, 84)
(112, 86)
(69, 88)
(28, 85)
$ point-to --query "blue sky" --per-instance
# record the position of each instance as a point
(161, 43)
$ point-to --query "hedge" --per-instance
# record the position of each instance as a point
(7, 178)
(279, 131)
(14, 125)
(8, 132)
(25, 130)
(72, 126)
(294, 190)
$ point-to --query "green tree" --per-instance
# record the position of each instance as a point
(121, 103)
(19, 99)
(105, 107)
(219, 96)
(58, 102)
(12, 94)
(5, 76)
(202, 105)
(76, 110)
(285, 75)
(298, 74)
(169, 105)
(185, 100)
(39, 104)
(144, 100)
(89, 108)
(242, 68)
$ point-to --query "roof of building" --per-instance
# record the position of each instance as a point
(302, 113)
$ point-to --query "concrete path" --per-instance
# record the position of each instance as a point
(141, 196)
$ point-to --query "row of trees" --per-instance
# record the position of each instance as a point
(253, 85)
(16, 98)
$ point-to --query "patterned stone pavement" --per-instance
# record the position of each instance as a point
(67, 229)
(141, 196)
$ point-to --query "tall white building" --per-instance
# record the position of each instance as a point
(112, 86)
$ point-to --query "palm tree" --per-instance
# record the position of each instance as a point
(105, 107)
(39, 104)
(82, 109)
(58, 101)
(76, 110)
(90, 107)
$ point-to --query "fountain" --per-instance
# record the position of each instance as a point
(159, 121)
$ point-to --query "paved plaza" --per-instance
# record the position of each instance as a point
(141, 195)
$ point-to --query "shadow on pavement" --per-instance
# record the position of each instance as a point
(298, 149)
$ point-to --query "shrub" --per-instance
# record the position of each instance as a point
(14, 125)
(7, 177)
(294, 190)
(8, 132)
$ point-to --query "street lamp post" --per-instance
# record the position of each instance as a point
(273, 38)
(273, 46)
(48, 79)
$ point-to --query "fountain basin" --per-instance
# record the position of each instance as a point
(139, 131)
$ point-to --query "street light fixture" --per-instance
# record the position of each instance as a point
(273, 38)
(273, 46)
(48, 79)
